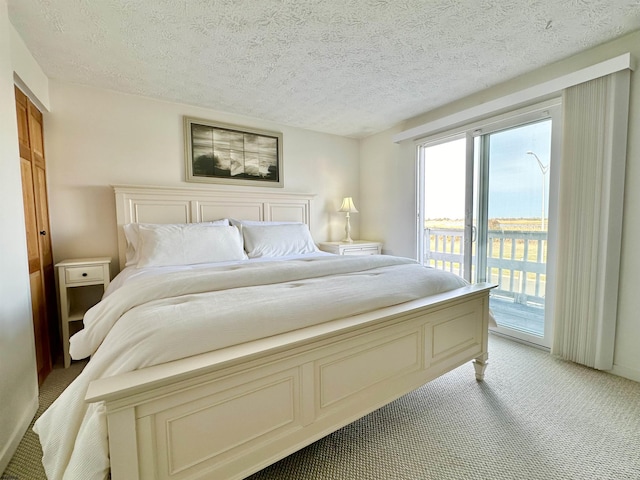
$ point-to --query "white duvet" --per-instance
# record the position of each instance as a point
(154, 319)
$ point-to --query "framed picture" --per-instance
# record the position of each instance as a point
(222, 153)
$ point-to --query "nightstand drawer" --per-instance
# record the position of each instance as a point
(84, 274)
(361, 251)
(356, 247)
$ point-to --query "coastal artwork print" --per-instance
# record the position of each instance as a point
(222, 153)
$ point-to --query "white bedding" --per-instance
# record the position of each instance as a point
(131, 272)
(153, 319)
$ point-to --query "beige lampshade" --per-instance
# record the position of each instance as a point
(348, 206)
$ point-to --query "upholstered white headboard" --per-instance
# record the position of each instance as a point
(152, 204)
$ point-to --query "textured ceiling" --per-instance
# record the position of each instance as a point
(349, 67)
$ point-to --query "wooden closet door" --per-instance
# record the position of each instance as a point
(34, 194)
(41, 196)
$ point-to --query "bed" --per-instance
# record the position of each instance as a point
(275, 376)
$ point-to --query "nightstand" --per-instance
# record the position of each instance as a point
(357, 247)
(77, 281)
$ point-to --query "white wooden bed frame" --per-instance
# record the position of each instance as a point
(229, 413)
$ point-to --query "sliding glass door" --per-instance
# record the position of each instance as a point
(514, 237)
(484, 214)
(446, 224)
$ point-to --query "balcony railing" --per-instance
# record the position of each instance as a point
(516, 260)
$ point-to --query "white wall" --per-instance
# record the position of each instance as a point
(96, 138)
(27, 73)
(388, 193)
(394, 184)
(18, 379)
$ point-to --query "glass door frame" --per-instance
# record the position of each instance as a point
(476, 200)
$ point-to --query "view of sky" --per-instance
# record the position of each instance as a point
(515, 178)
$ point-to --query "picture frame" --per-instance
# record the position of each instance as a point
(223, 153)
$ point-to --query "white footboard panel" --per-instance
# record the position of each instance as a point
(228, 414)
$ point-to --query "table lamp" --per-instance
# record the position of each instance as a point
(348, 207)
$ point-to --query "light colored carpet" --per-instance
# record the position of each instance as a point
(25, 464)
(534, 417)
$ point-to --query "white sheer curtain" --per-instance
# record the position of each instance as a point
(595, 117)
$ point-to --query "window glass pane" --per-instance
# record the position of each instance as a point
(517, 224)
(444, 205)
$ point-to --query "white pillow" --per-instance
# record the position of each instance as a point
(188, 245)
(132, 236)
(277, 240)
(242, 223)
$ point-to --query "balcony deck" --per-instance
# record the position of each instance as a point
(526, 318)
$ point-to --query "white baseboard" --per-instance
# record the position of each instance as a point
(626, 372)
(14, 440)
